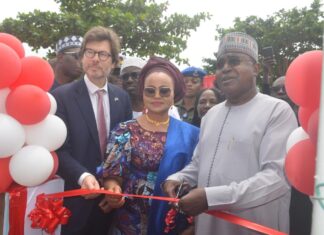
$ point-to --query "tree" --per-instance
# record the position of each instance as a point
(290, 33)
(142, 25)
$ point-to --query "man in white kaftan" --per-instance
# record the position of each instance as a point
(238, 163)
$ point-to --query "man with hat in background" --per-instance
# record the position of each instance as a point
(238, 162)
(67, 67)
(129, 73)
(193, 77)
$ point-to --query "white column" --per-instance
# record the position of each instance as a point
(318, 208)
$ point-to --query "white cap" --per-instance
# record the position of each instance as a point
(132, 61)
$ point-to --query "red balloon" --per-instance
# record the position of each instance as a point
(6, 179)
(300, 166)
(304, 115)
(28, 104)
(14, 43)
(313, 126)
(56, 164)
(303, 79)
(35, 71)
(10, 66)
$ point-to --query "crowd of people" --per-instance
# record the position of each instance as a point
(144, 127)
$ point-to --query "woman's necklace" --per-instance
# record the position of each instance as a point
(157, 123)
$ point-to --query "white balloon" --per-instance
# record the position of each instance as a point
(31, 166)
(296, 136)
(12, 135)
(53, 103)
(3, 97)
(49, 133)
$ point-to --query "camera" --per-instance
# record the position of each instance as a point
(267, 52)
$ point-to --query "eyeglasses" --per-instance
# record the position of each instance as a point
(277, 89)
(193, 80)
(72, 53)
(133, 75)
(103, 55)
(230, 60)
(151, 91)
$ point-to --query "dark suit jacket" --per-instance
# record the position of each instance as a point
(81, 150)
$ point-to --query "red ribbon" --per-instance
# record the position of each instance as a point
(222, 215)
(17, 208)
(245, 223)
(49, 213)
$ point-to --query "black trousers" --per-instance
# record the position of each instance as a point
(87, 217)
(300, 213)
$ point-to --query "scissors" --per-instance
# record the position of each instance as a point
(179, 191)
(178, 195)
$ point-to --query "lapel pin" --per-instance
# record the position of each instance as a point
(116, 99)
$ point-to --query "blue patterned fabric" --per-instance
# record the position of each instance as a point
(181, 141)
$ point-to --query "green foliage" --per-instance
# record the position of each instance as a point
(289, 32)
(142, 25)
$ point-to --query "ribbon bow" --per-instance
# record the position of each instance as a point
(49, 213)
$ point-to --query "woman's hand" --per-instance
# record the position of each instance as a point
(113, 201)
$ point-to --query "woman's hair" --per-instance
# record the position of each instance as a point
(98, 34)
(155, 64)
(220, 98)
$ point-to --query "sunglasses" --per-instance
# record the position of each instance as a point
(151, 91)
(277, 89)
(133, 75)
(230, 60)
(75, 55)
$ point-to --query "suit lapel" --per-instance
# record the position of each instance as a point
(83, 100)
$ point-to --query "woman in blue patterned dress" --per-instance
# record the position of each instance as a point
(142, 152)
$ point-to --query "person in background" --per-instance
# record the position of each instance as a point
(193, 77)
(67, 66)
(278, 90)
(114, 77)
(267, 67)
(144, 151)
(90, 108)
(205, 100)
(129, 74)
(239, 159)
(300, 205)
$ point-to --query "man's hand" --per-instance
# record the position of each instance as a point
(90, 182)
(194, 203)
(170, 187)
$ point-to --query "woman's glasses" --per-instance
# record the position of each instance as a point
(230, 60)
(151, 91)
(133, 75)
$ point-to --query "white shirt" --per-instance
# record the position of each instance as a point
(92, 89)
(239, 162)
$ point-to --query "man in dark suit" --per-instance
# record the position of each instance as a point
(90, 108)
